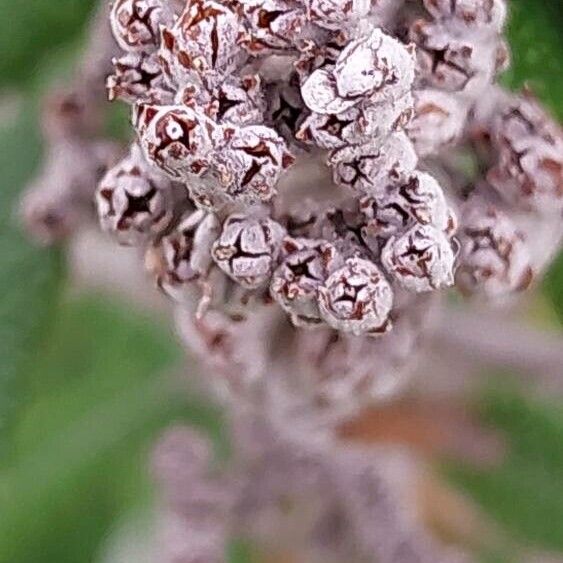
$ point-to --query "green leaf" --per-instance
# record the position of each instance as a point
(30, 278)
(102, 392)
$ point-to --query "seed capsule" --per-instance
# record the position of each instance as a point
(335, 14)
(373, 69)
(274, 25)
(438, 122)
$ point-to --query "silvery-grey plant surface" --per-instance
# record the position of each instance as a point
(298, 186)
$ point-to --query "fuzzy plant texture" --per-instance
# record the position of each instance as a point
(299, 186)
(306, 179)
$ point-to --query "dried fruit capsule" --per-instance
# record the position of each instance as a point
(250, 162)
(135, 23)
(138, 77)
(248, 248)
(304, 266)
(421, 259)
(177, 139)
(494, 258)
(183, 257)
(357, 298)
(367, 167)
(134, 200)
(203, 40)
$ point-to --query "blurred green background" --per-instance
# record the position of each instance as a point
(84, 380)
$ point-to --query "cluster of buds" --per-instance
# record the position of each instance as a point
(511, 226)
(295, 187)
(237, 105)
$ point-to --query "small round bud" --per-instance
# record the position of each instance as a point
(421, 259)
(494, 258)
(135, 23)
(138, 77)
(134, 200)
(368, 167)
(248, 248)
(236, 101)
(415, 199)
(336, 14)
(305, 266)
(183, 257)
(203, 41)
(438, 122)
(177, 139)
(529, 171)
(274, 25)
(357, 125)
(250, 163)
(357, 298)
(471, 13)
(376, 68)
(452, 63)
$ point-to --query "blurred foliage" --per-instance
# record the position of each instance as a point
(29, 29)
(553, 285)
(30, 277)
(524, 494)
(101, 390)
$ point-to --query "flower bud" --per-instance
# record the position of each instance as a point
(305, 266)
(177, 139)
(494, 259)
(248, 248)
(357, 298)
(367, 167)
(134, 200)
(421, 259)
(202, 43)
(135, 23)
(183, 257)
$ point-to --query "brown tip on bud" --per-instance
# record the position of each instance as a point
(287, 160)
